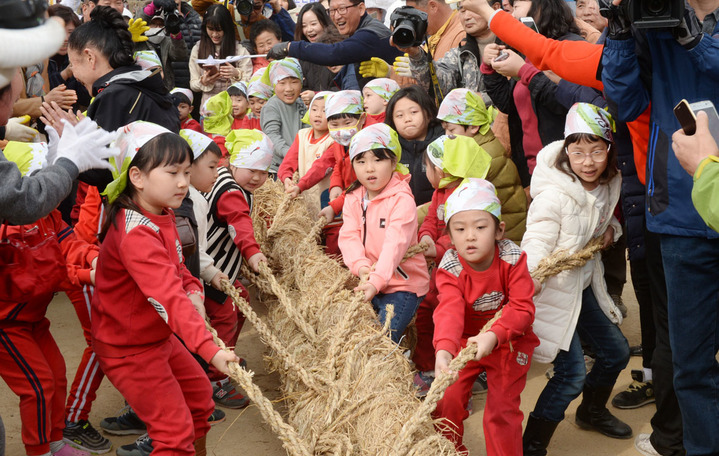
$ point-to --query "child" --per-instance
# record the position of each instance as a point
(481, 276)
(240, 108)
(377, 94)
(310, 145)
(140, 265)
(380, 224)
(263, 35)
(182, 99)
(412, 112)
(575, 187)
(258, 93)
(32, 365)
(230, 238)
(282, 115)
(463, 113)
(448, 160)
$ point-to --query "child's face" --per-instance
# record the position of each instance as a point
(288, 90)
(373, 103)
(460, 130)
(161, 187)
(249, 179)
(256, 105)
(265, 41)
(373, 173)
(410, 120)
(239, 106)
(318, 121)
(434, 174)
(184, 109)
(335, 68)
(204, 172)
(588, 160)
(474, 234)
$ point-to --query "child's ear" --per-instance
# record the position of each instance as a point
(384, 102)
(499, 235)
(135, 176)
(473, 130)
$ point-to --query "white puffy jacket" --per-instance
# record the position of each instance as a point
(563, 216)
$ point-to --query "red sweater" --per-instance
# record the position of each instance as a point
(317, 171)
(141, 289)
(468, 299)
(433, 224)
(232, 209)
(343, 176)
(191, 124)
(77, 254)
(375, 119)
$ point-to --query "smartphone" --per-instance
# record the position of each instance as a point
(686, 112)
(213, 69)
(686, 117)
(503, 55)
(529, 22)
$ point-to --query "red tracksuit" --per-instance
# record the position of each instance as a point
(32, 365)
(141, 268)
(191, 124)
(467, 300)
(434, 227)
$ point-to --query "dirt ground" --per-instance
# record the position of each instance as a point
(245, 433)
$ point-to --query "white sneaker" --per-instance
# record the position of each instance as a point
(644, 446)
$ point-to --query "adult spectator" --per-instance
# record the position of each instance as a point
(89, 5)
(444, 27)
(165, 39)
(588, 11)
(261, 9)
(312, 22)
(650, 67)
(368, 38)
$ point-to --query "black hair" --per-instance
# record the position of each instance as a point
(178, 98)
(331, 36)
(235, 92)
(106, 31)
(562, 161)
(65, 13)
(212, 148)
(162, 150)
(419, 96)
(382, 154)
(264, 25)
(217, 17)
(322, 16)
(555, 18)
(344, 115)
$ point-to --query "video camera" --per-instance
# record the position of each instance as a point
(649, 14)
(409, 26)
(170, 15)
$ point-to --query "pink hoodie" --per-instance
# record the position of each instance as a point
(381, 235)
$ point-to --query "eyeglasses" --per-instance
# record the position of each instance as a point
(342, 10)
(597, 156)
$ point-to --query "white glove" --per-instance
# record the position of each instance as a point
(86, 145)
(401, 66)
(52, 140)
(15, 131)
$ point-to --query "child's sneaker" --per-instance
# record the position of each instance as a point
(637, 394)
(141, 447)
(67, 450)
(644, 445)
(126, 423)
(218, 416)
(423, 382)
(85, 437)
(480, 385)
(226, 395)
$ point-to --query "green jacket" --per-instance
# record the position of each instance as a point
(705, 193)
(505, 178)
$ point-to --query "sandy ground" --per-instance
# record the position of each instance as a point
(245, 433)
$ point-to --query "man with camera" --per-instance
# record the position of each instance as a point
(367, 38)
(660, 52)
(445, 30)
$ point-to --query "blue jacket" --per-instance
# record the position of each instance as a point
(652, 66)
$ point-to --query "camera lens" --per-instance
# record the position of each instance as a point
(244, 7)
(656, 7)
(403, 35)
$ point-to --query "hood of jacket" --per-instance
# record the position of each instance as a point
(148, 82)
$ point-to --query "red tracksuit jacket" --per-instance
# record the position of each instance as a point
(434, 224)
(141, 289)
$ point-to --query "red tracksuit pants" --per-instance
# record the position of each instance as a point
(34, 369)
(506, 377)
(89, 375)
(170, 393)
(227, 319)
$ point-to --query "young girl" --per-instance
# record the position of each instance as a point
(380, 224)
(218, 41)
(575, 187)
(258, 93)
(141, 266)
(482, 275)
(412, 112)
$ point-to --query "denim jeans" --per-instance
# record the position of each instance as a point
(691, 267)
(405, 305)
(612, 355)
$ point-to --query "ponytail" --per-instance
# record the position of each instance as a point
(107, 31)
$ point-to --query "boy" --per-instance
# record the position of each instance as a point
(230, 238)
(377, 94)
(263, 36)
(481, 276)
(281, 117)
(463, 113)
(240, 106)
(182, 99)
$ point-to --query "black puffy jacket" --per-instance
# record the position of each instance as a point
(191, 33)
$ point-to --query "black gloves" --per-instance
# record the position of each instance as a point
(279, 51)
(619, 24)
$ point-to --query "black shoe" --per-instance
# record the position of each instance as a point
(636, 350)
(639, 393)
(141, 447)
(537, 436)
(592, 414)
(127, 423)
